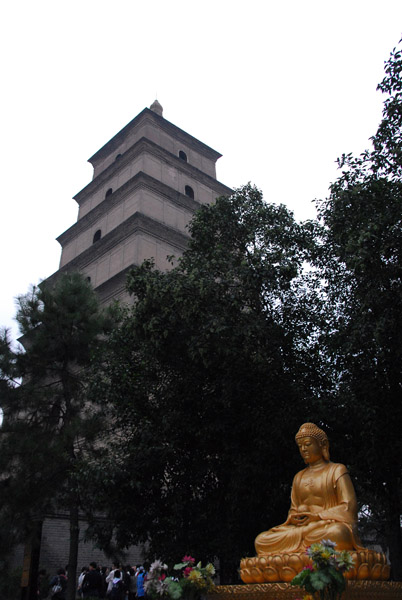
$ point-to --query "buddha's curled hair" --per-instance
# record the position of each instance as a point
(311, 430)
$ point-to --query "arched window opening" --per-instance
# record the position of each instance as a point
(97, 236)
(189, 191)
(183, 155)
(109, 193)
(88, 279)
(118, 157)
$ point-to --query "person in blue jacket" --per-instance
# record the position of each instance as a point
(140, 582)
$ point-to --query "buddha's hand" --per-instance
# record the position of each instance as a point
(304, 518)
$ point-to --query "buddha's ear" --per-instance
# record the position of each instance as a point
(325, 450)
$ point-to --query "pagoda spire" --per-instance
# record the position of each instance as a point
(157, 108)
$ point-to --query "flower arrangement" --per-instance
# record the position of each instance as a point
(157, 583)
(324, 579)
(190, 582)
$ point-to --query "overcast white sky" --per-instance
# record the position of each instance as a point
(279, 88)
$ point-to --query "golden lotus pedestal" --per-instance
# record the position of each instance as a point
(268, 577)
(355, 590)
(283, 566)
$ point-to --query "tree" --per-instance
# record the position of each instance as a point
(49, 427)
(210, 375)
(360, 235)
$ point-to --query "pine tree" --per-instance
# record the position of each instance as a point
(49, 427)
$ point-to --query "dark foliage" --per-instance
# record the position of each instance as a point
(360, 235)
(210, 377)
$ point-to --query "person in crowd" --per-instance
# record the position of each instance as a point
(132, 591)
(125, 575)
(110, 577)
(104, 571)
(117, 591)
(92, 583)
(58, 585)
(140, 582)
(80, 580)
(43, 584)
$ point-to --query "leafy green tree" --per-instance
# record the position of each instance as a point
(210, 375)
(49, 427)
(360, 235)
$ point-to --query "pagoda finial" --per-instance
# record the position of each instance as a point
(157, 108)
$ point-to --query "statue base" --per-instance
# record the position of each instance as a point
(355, 590)
(282, 567)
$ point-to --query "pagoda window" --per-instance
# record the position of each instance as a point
(109, 193)
(183, 155)
(189, 191)
(97, 236)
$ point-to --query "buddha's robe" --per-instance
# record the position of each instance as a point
(327, 492)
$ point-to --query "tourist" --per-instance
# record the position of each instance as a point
(132, 591)
(140, 582)
(43, 585)
(104, 573)
(110, 577)
(117, 591)
(58, 585)
(80, 580)
(92, 584)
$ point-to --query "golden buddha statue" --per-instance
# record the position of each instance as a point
(323, 506)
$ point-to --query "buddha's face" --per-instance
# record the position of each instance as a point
(310, 449)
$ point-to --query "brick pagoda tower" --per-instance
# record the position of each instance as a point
(148, 181)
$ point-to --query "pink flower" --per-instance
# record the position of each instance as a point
(308, 568)
(187, 571)
(188, 558)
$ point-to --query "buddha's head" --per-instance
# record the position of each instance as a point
(317, 441)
